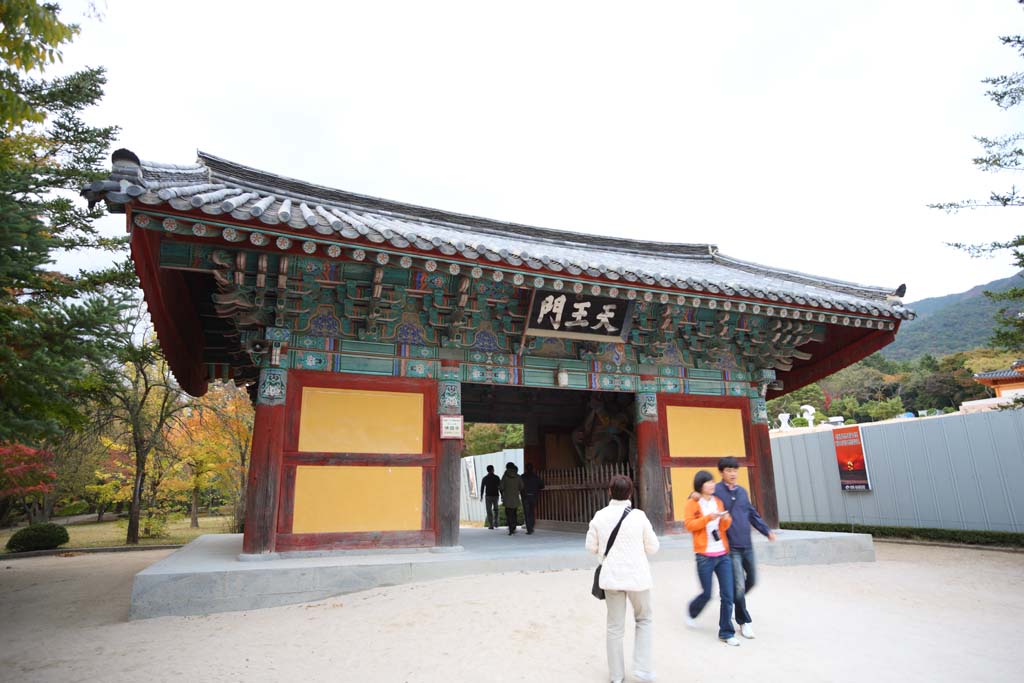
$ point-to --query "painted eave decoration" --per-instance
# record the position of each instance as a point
(231, 204)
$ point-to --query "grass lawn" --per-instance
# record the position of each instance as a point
(105, 534)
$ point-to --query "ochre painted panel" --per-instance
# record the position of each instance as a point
(359, 498)
(682, 485)
(1008, 389)
(704, 432)
(358, 421)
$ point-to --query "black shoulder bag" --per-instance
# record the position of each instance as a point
(597, 591)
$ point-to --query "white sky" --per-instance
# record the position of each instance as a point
(807, 135)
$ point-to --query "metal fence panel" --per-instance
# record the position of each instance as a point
(473, 470)
(953, 472)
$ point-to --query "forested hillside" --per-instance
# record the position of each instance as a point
(950, 324)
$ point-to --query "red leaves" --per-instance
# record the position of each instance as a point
(25, 471)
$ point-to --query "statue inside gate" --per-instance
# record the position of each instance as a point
(604, 437)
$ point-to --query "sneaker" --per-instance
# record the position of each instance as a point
(733, 641)
(747, 631)
(691, 622)
(644, 676)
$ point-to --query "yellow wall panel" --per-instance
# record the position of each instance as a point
(1008, 387)
(704, 432)
(336, 499)
(358, 421)
(682, 485)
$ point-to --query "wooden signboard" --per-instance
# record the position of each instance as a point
(577, 316)
(451, 427)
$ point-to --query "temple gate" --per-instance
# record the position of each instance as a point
(367, 329)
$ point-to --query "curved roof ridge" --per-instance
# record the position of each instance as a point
(870, 291)
(249, 175)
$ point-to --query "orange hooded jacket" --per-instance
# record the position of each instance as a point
(696, 524)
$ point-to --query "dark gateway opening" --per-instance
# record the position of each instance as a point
(576, 440)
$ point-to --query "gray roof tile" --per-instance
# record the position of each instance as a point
(216, 186)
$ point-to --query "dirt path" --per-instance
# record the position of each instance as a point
(919, 613)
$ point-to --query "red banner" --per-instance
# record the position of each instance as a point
(853, 468)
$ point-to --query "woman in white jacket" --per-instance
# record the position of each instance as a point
(625, 573)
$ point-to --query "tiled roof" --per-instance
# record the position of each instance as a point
(219, 187)
(1015, 371)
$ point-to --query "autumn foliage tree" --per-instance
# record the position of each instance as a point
(215, 440)
(142, 401)
(26, 475)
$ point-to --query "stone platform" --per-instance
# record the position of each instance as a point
(207, 575)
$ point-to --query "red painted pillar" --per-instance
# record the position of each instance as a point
(650, 474)
(263, 487)
(449, 402)
(764, 474)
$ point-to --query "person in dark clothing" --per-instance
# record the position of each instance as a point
(532, 486)
(741, 549)
(511, 487)
(489, 494)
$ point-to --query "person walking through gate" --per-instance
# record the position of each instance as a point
(511, 487)
(708, 521)
(489, 494)
(741, 550)
(625, 575)
(533, 485)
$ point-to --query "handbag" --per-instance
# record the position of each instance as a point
(596, 590)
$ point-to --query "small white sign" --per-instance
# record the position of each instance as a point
(451, 427)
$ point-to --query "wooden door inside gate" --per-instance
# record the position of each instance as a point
(571, 496)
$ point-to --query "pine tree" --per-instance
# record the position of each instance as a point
(1002, 154)
(53, 326)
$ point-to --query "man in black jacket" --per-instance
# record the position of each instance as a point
(489, 494)
(532, 484)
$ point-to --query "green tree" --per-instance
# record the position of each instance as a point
(31, 36)
(861, 381)
(514, 436)
(884, 409)
(484, 438)
(144, 402)
(943, 383)
(1002, 154)
(811, 395)
(53, 325)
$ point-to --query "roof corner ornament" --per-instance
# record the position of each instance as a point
(125, 165)
(897, 293)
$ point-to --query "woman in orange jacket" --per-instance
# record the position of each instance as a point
(707, 520)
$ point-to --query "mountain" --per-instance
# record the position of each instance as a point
(951, 323)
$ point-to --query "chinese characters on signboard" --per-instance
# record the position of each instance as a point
(575, 316)
(853, 468)
(451, 426)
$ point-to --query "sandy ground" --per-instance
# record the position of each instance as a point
(918, 614)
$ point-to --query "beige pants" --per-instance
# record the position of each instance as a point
(641, 601)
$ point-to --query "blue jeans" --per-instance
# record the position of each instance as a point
(744, 572)
(721, 566)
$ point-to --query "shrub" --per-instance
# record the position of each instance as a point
(38, 537)
(965, 536)
(154, 524)
(79, 507)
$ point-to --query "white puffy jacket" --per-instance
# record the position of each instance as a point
(626, 567)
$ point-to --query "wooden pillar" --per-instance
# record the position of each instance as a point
(761, 448)
(263, 487)
(449, 402)
(650, 474)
